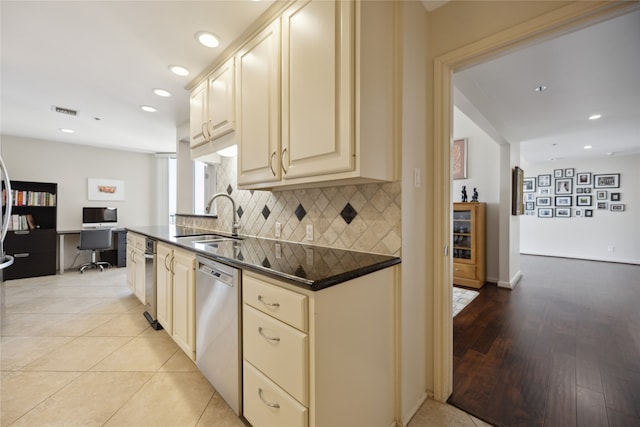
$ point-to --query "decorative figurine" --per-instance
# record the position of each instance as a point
(474, 198)
(464, 194)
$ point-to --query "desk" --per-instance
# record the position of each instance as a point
(119, 242)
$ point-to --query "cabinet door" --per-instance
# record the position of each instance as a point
(258, 108)
(184, 301)
(164, 285)
(139, 262)
(221, 103)
(318, 83)
(198, 114)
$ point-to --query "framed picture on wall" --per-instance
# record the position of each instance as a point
(583, 201)
(618, 207)
(563, 201)
(544, 180)
(609, 180)
(545, 191)
(460, 158)
(543, 201)
(615, 197)
(563, 212)
(584, 178)
(545, 212)
(564, 186)
(577, 212)
(529, 206)
(588, 213)
(568, 173)
(517, 184)
(530, 197)
(601, 195)
(529, 185)
(602, 205)
(557, 173)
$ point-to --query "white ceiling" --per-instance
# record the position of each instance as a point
(592, 71)
(103, 58)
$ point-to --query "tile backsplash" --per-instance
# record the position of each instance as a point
(362, 217)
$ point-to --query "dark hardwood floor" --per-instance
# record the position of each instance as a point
(562, 349)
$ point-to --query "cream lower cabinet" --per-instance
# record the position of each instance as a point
(176, 297)
(337, 84)
(317, 359)
(136, 265)
(184, 301)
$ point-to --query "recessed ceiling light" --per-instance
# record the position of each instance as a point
(207, 39)
(66, 130)
(148, 108)
(588, 147)
(595, 116)
(540, 88)
(162, 92)
(178, 70)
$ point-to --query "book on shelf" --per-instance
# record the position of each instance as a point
(33, 198)
(22, 222)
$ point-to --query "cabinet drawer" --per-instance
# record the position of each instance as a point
(278, 350)
(266, 404)
(463, 270)
(285, 305)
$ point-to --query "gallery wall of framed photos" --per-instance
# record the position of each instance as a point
(568, 193)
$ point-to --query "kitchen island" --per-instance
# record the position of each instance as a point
(317, 327)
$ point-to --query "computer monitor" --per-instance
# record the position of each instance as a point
(94, 217)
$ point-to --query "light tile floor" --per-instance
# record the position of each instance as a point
(75, 350)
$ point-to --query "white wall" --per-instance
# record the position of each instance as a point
(483, 173)
(589, 238)
(413, 268)
(69, 165)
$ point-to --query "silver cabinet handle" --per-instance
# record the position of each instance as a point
(19, 232)
(269, 404)
(21, 255)
(9, 200)
(260, 331)
(271, 163)
(282, 160)
(268, 304)
(166, 258)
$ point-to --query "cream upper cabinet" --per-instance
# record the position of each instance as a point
(184, 301)
(258, 108)
(164, 285)
(212, 106)
(339, 115)
(317, 88)
(198, 114)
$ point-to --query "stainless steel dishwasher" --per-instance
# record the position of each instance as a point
(218, 328)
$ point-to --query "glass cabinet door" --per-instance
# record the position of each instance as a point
(462, 235)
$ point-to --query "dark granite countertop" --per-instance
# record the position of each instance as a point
(308, 266)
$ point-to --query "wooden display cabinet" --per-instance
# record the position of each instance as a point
(469, 244)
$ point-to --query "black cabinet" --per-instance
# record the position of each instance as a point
(32, 236)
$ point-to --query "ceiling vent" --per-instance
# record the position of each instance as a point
(67, 111)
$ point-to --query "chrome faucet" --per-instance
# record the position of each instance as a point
(234, 225)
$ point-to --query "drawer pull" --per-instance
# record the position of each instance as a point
(21, 255)
(269, 404)
(268, 304)
(276, 339)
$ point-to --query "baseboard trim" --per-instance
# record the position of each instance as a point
(407, 416)
(512, 283)
(585, 258)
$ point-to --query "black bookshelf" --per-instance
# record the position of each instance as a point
(31, 239)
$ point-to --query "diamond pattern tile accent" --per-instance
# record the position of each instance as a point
(364, 217)
(266, 212)
(348, 213)
(240, 212)
(300, 212)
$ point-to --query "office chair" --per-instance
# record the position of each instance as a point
(94, 240)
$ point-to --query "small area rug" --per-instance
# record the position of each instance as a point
(462, 298)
